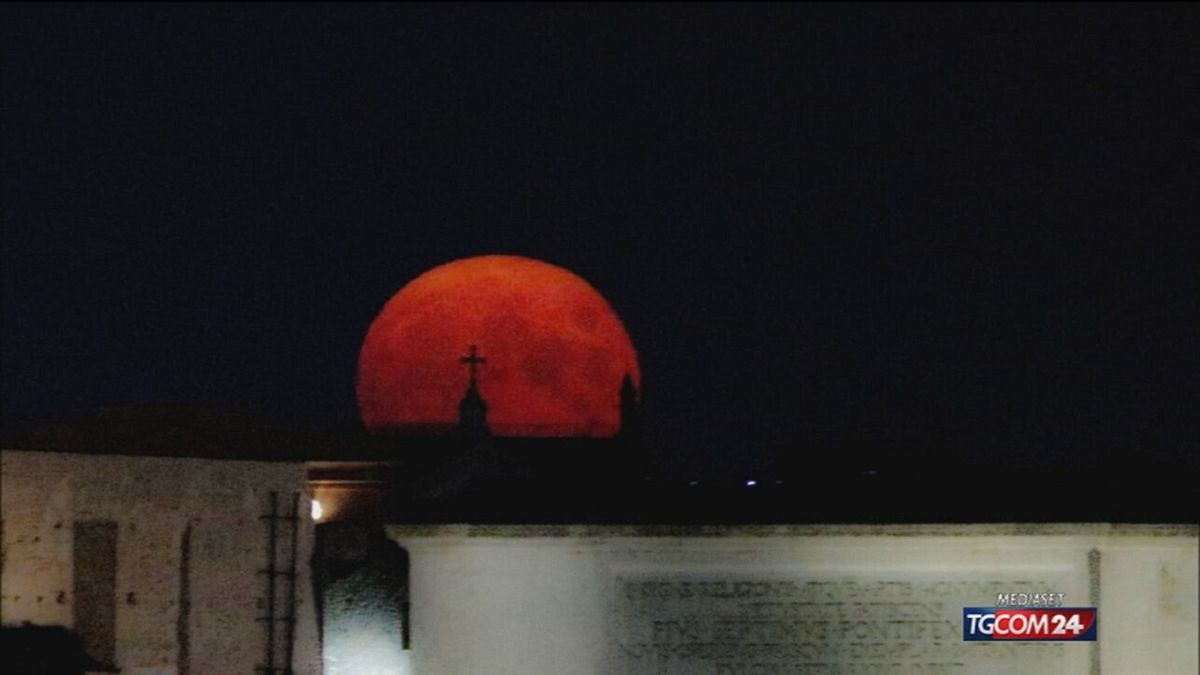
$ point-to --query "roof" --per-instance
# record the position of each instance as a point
(448, 479)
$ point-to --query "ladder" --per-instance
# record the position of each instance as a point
(279, 621)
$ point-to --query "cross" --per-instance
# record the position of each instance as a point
(472, 360)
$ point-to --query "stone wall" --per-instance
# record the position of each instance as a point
(190, 542)
(790, 599)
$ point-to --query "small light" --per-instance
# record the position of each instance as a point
(751, 483)
(316, 509)
(694, 483)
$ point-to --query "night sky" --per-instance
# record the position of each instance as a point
(964, 227)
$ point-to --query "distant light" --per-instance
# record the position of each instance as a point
(751, 483)
(316, 509)
(694, 483)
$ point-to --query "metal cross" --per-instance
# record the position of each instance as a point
(473, 360)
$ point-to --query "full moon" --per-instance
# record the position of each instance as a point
(555, 351)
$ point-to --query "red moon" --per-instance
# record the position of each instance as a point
(556, 352)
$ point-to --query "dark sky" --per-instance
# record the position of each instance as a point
(972, 227)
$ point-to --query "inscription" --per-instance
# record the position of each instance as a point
(745, 626)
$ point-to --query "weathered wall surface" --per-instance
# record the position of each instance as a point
(190, 543)
(364, 578)
(790, 599)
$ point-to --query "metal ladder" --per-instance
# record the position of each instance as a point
(280, 582)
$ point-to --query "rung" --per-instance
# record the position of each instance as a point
(276, 573)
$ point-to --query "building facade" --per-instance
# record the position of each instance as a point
(162, 565)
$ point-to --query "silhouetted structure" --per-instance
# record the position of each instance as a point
(630, 422)
(472, 410)
(46, 650)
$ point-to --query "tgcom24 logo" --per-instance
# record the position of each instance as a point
(1059, 624)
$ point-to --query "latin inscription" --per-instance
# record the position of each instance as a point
(722, 626)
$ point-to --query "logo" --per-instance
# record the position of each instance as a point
(1058, 624)
(1007, 600)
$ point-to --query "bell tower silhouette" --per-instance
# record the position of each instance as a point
(472, 409)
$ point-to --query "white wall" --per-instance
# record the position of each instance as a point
(574, 599)
(152, 500)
